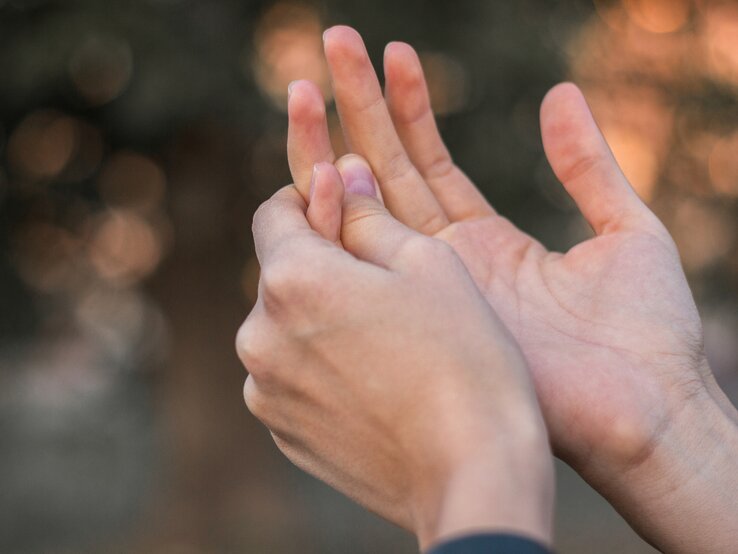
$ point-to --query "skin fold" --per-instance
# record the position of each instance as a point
(609, 329)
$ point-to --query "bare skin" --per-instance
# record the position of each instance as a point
(379, 367)
(610, 330)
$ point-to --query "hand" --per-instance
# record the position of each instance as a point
(610, 329)
(381, 369)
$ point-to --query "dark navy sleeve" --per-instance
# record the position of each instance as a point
(490, 544)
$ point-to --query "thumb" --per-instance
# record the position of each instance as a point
(368, 230)
(583, 162)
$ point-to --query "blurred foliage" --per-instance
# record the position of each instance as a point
(137, 137)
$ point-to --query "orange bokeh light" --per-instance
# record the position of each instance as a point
(289, 46)
(124, 247)
(720, 36)
(636, 156)
(658, 16)
(723, 165)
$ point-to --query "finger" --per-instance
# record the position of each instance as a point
(280, 224)
(583, 162)
(369, 132)
(308, 141)
(368, 230)
(409, 105)
(326, 197)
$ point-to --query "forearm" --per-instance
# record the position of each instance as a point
(684, 496)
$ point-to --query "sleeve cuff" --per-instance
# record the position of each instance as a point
(495, 543)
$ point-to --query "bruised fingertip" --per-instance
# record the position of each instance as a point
(358, 177)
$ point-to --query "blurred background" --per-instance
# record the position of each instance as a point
(136, 139)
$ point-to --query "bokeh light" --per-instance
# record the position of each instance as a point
(132, 180)
(658, 16)
(138, 138)
(719, 32)
(636, 156)
(666, 101)
(42, 145)
(124, 247)
(723, 165)
(447, 82)
(47, 257)
(704, 232)
(289, 46)
(100, 68)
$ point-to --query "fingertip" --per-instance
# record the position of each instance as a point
(398, 50)
(565, 90)
(401, 62)
(357, 175)
(340, 31)
(563, 110)
(405, 86)
(567, 124)
(305, 102)
(326, 182)
(344, 41)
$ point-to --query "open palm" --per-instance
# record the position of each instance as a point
(606, 328)
(603, 329)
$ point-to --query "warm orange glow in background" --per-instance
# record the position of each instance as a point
(647, 67)
(138, 138)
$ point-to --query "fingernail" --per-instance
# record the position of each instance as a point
(289, 88)
(358, 178)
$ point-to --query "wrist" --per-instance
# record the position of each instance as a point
(498, 486)
(680, 497)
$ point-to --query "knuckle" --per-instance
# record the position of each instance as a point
(275, 278)
(255, 351)
(291, 282)
(397, 168)
(369, 212)
(280, 282)
(256, 402)
(247, 346)
(440, 166)
(423, 251)
(260, 215)
(272, 207)
(433, 222)
(581, 166)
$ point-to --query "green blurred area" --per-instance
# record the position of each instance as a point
(138, 137)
